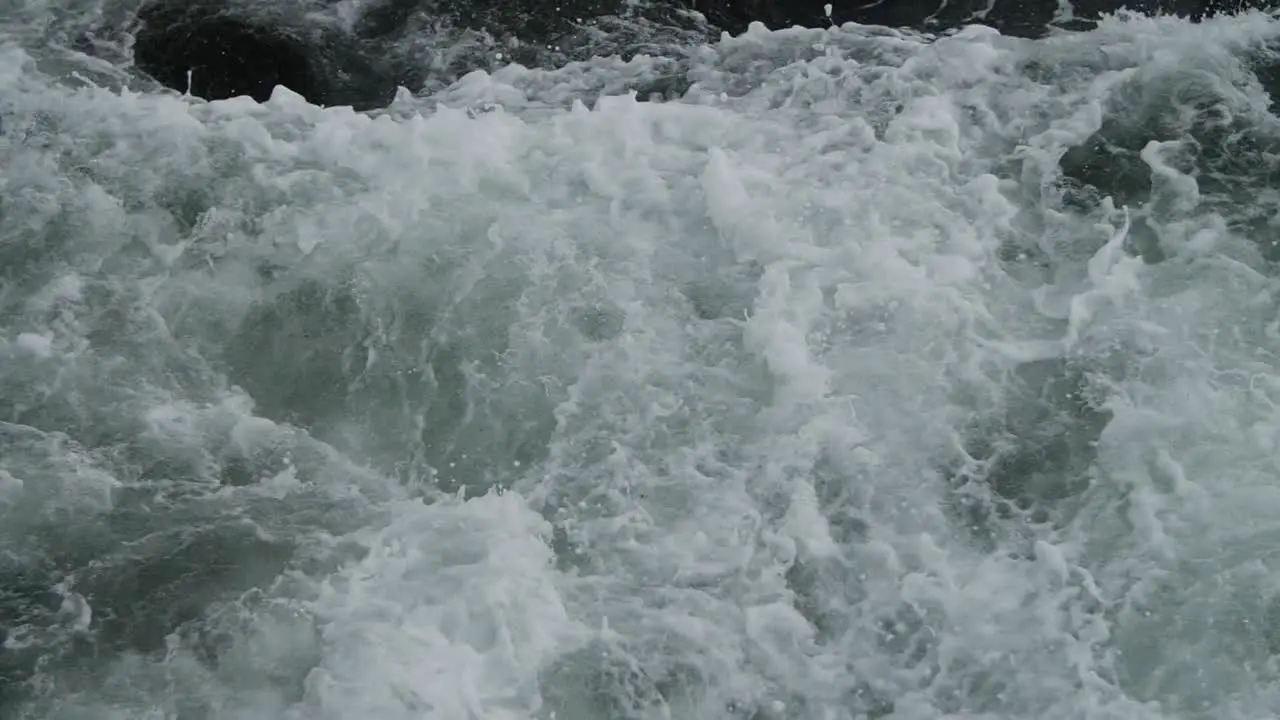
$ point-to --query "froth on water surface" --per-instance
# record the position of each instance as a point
(874, 375)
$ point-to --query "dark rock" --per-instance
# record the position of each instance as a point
(215, 56)
(215, 53)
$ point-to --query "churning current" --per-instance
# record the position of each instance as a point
(863, 374)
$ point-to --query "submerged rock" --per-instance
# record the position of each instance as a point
(214, 56)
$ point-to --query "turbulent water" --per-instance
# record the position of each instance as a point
(869, 375)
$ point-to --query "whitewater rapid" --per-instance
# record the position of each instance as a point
(817, 392)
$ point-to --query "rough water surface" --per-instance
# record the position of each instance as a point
(868, 375)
